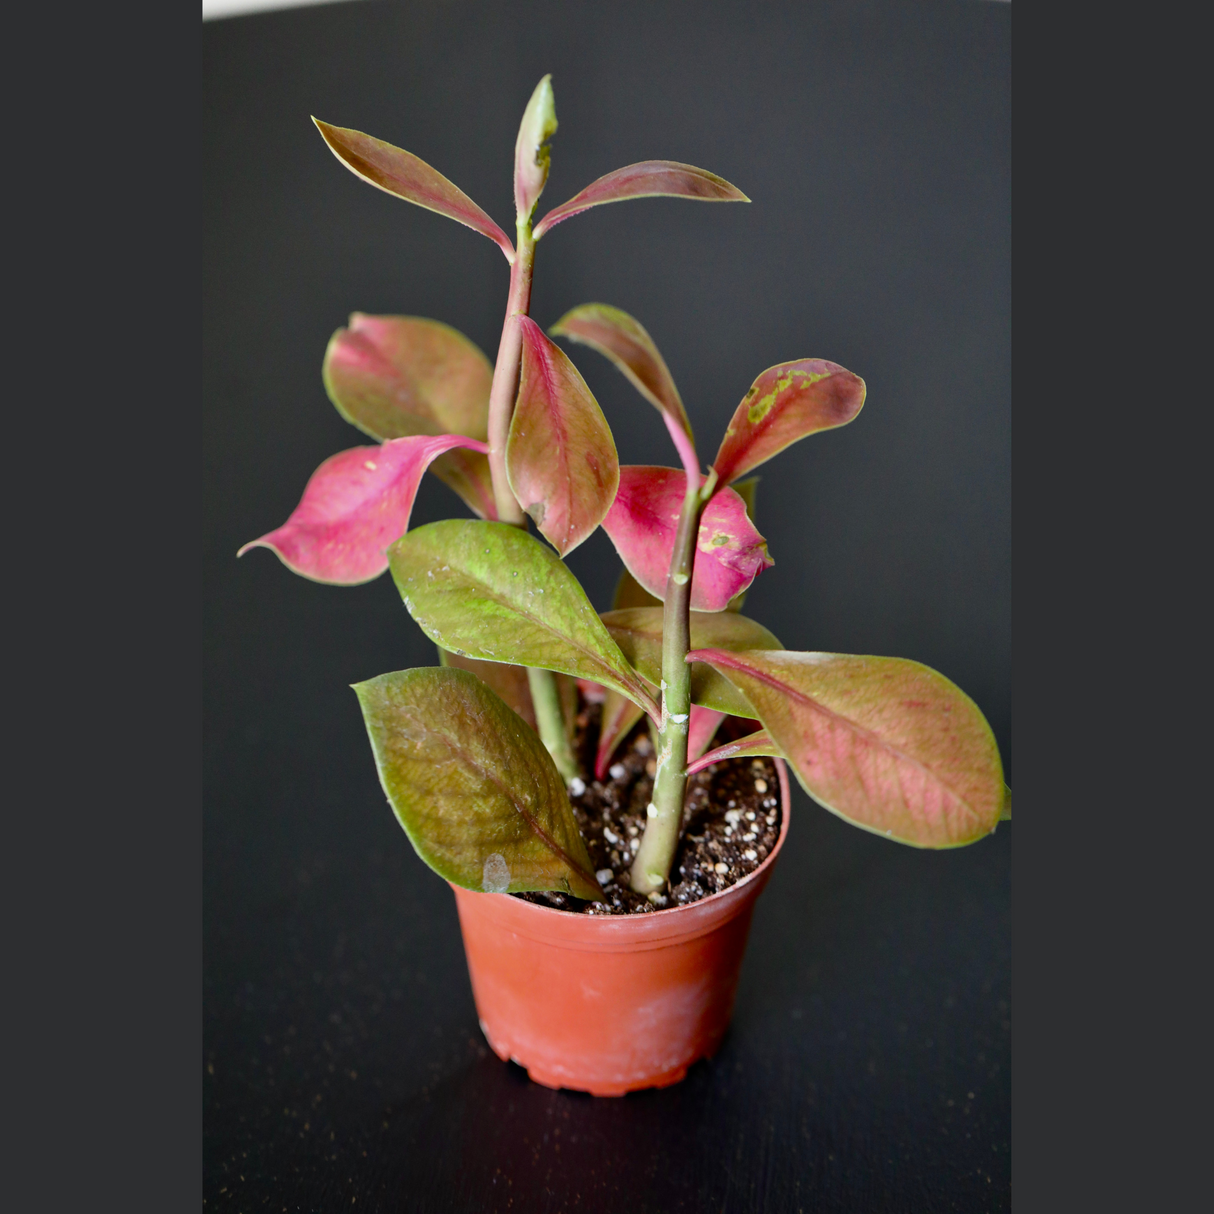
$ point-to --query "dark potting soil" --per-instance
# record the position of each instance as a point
(731, 821)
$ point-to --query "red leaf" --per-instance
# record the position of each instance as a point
(642, 521)
(648, 179)
(785, 403)
(560, 457)
(355, 505)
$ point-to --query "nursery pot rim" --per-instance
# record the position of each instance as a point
(632, 932)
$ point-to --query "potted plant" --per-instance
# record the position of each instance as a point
(558, 767)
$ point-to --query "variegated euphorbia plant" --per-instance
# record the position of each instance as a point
(475, 754)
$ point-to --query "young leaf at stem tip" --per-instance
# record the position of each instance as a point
(353, 507)
(647, 179)
(623, 339)
(560, 457)
(404, 175)
(889, 744)
(476, 792)
(644, 518)
(787, 402)
(491, 591)
(531, 154)
(397, 376)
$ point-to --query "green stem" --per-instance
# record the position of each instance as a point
(502, 394)
(549, 721)
(651, 868)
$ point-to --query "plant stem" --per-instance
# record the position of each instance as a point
(549, 721)
(505, 376)
(544, 695)
(651, 868)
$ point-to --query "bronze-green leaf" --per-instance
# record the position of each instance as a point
(638, 632)
(888, 744)
(406, 176)
(509, 682)
(478, 795)
(491, 591)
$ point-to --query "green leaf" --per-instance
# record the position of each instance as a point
(508, 682)
(1006, 814)
(491, 591)
(888, 744)
(638, 632)
(478, 795)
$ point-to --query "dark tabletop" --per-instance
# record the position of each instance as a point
(867, 1067)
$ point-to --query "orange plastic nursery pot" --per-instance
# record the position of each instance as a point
(612, 1003)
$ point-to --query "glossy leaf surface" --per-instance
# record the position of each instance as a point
(648, 179)
(618, 717)
(560, 457)
(758, 743)
(507, 682)
(478, 795)
(787, 402)
(531, 155)
(353, 507)
(623, 339)
(638, 632)
(642, 523)
(491, 591)
(404, 175)
(746, 490)
(888, 744)
(395, 376)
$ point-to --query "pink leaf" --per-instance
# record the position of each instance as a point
(619, 716)
(560, 457)
(397, 376)
(402, 174)
(649, 179)
(701, 729)
(355, 505)
(531, 155)
(757, 743)
(886, 743)
(785, 403)
(642, 521)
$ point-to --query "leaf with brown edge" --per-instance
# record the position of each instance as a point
(397, 376)
(471, 783)
(353, 507)
(757, 743)
(888, 744)
(618, 717)
(491, 591)
(404, 175)
(508, 682)
(638, 632)
(787, 402)
(647, 179)
(560, 458)
(644, 518)
(623, 339)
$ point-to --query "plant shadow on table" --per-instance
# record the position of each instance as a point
(823, 1096)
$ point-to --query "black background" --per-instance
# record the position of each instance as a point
(868, 1063)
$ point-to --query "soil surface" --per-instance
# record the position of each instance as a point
(730, 823)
